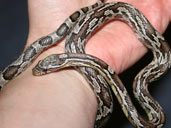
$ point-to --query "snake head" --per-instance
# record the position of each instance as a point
(39, 69)
(49, 64)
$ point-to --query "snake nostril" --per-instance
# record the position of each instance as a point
(36, 71)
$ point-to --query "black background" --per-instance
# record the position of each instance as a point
(13, 35)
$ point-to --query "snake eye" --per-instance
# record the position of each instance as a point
(45, 70)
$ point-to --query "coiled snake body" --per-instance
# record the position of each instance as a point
(79, 27)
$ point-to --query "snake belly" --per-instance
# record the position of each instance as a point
(147, 35)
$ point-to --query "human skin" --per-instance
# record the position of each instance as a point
(64, 99)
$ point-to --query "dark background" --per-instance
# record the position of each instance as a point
(13, 35)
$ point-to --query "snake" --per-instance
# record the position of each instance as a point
(78, 28)
(148, 36)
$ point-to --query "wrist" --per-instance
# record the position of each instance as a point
(58, 97)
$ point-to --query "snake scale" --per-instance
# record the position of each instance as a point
(78, 28)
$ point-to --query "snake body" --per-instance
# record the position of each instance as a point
(150, 38)
(79, 27)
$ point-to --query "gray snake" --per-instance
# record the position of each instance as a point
(79, 27)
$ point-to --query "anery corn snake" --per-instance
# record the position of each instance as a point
(101, 78)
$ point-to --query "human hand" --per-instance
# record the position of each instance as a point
(122, 48)
(61, 96)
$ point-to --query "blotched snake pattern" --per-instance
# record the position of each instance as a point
(78, 28)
